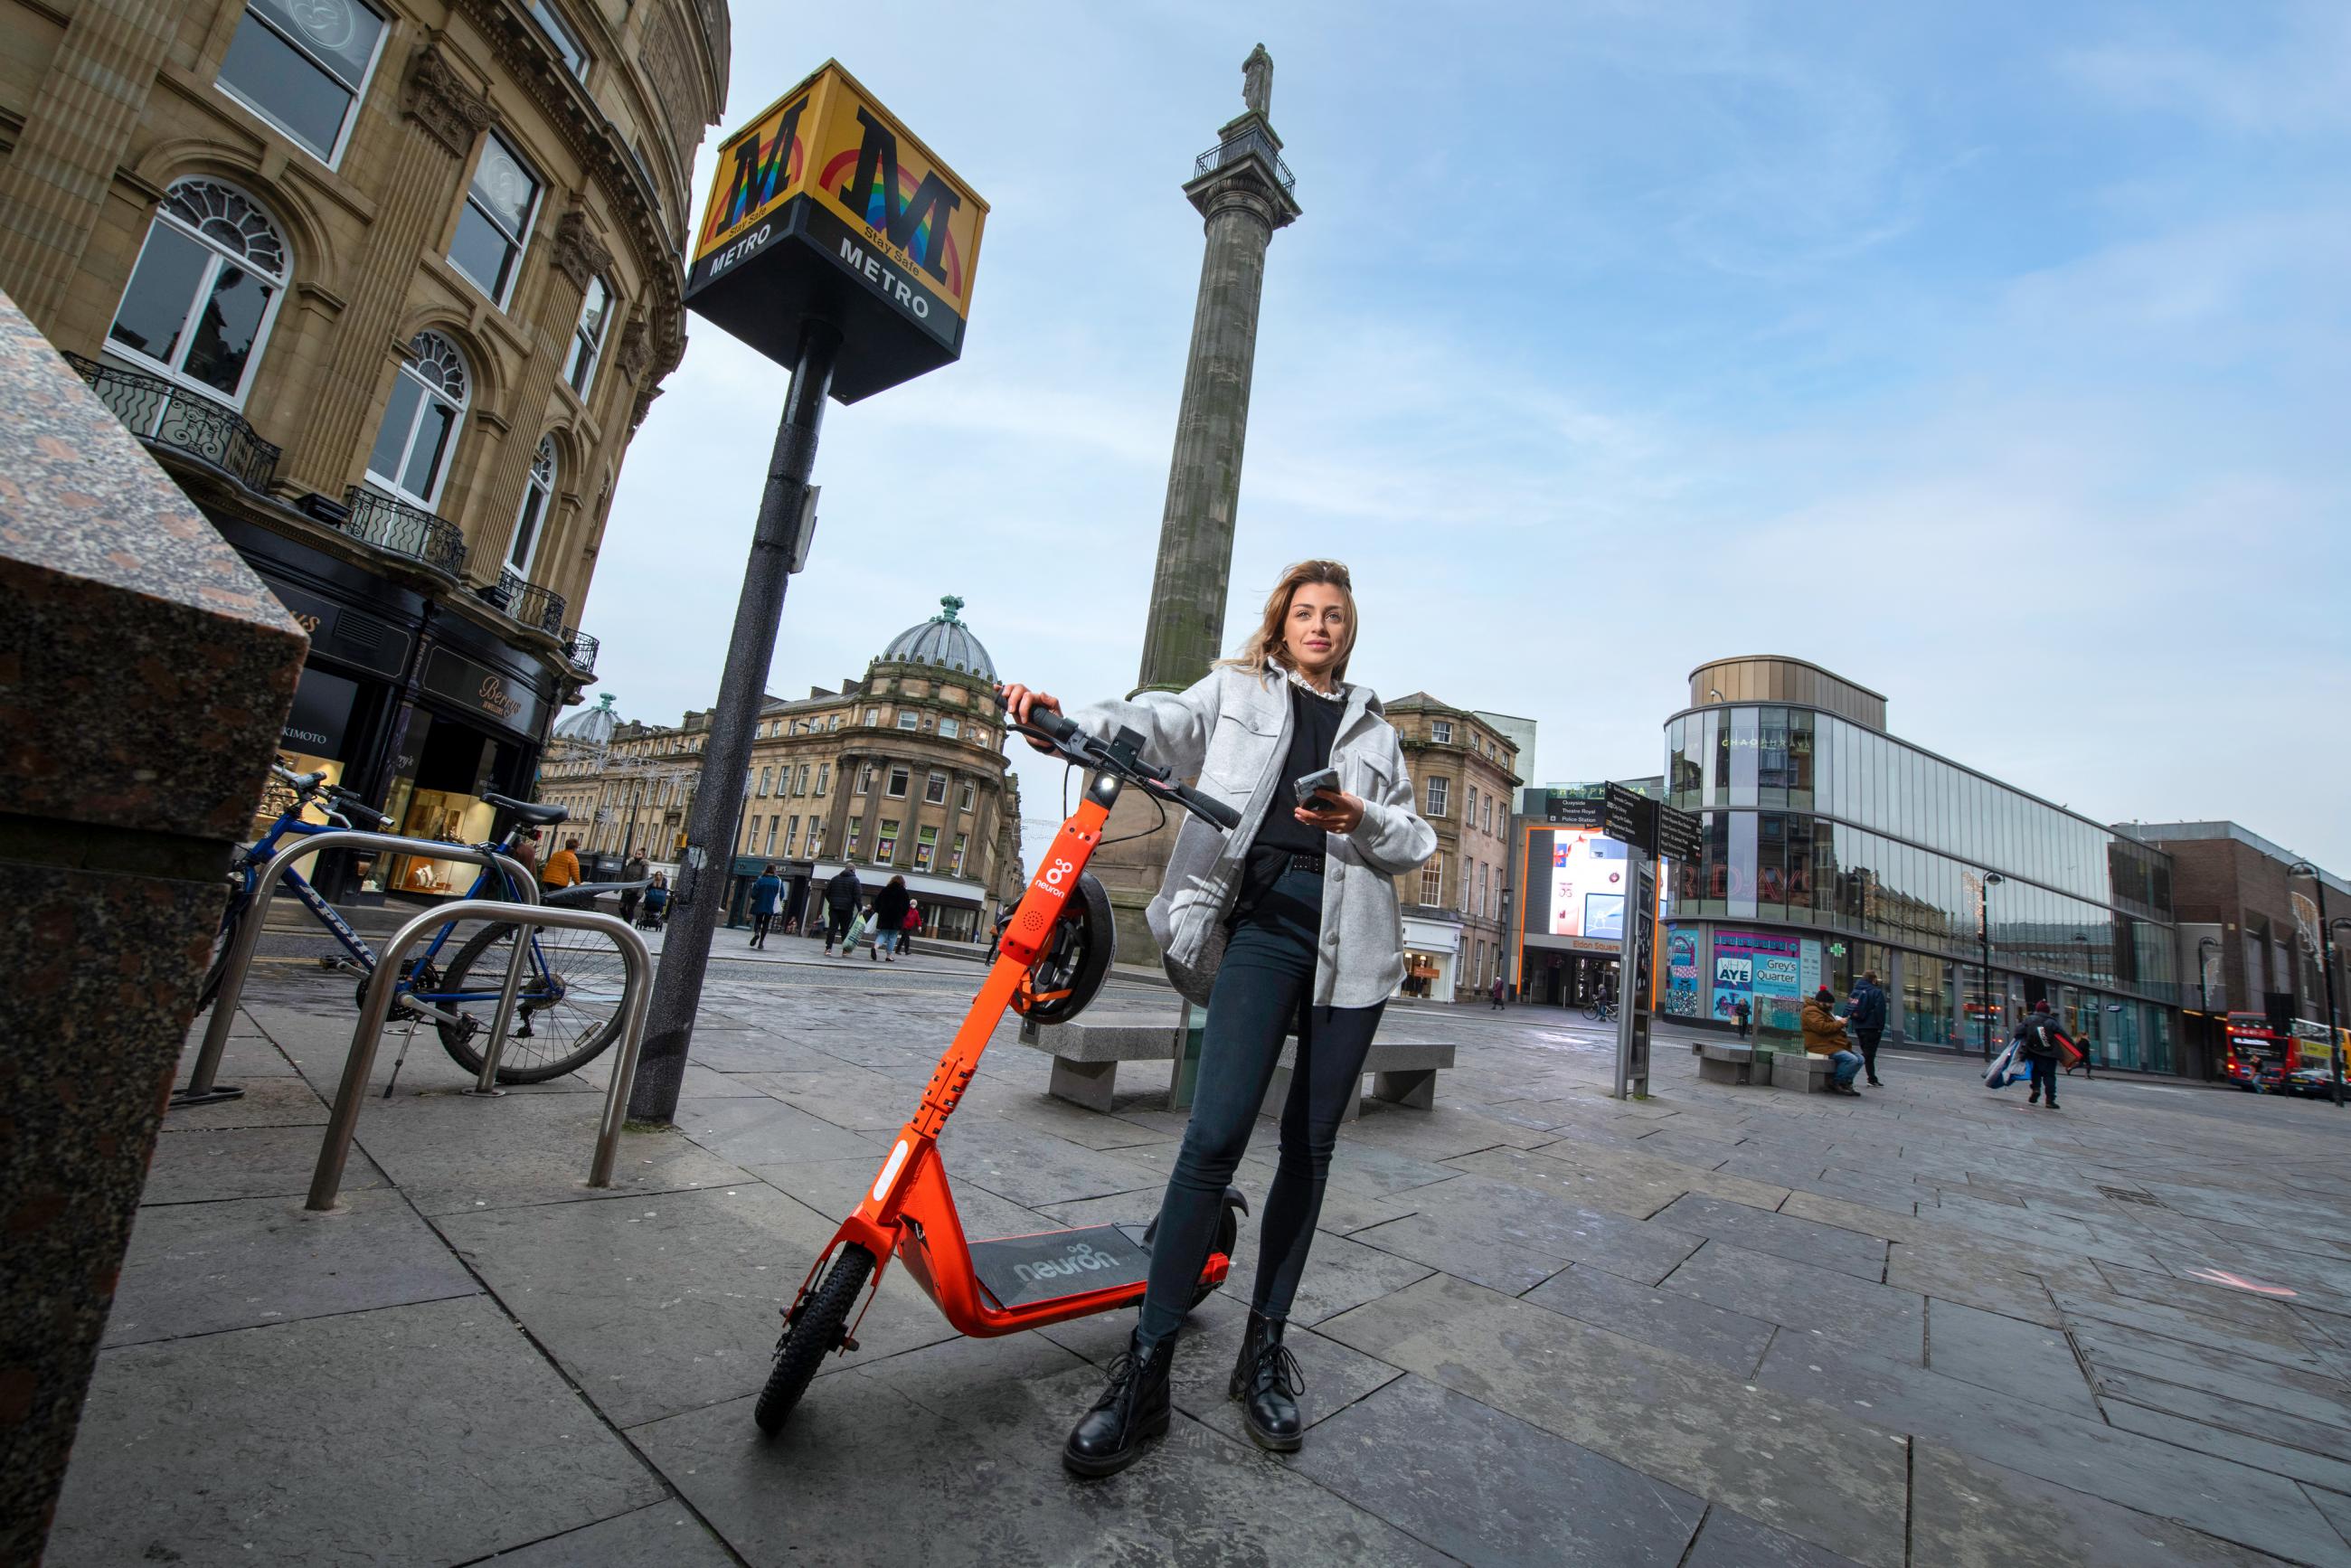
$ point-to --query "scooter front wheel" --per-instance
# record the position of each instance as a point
(815, 1329)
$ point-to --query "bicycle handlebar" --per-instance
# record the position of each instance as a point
(315, 783)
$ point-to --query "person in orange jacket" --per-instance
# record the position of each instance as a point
(1824, 1036)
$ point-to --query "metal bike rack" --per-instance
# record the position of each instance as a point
(201, 1089)
(328, 1178)
(494, 1047)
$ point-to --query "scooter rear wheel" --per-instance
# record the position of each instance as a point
(816, 1333)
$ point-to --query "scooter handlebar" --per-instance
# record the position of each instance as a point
(1081, 747)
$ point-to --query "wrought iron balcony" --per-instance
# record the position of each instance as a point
(1253, 140)
(580, 649)
(397, 528)
(163, 414)
(526, 604)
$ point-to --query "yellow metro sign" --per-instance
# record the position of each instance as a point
(826, 205)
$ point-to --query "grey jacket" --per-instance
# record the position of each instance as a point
(1232, 732)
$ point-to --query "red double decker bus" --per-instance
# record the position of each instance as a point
(2260, 1055)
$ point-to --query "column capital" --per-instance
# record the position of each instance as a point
(443, 103)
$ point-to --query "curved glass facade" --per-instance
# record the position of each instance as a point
(1813, 820)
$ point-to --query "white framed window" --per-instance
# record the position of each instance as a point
(565, 43)
(901, 779)
(202, 299)
(1441, 731)
(934, 790)
(421, 421)
(792, 837)
(926, 847)
(1432, 880)
(494, 226)
(865, 780)
(1487, 814)
(873, 715)
(908, 719)
(799, 779)
(824, 778)
(964, 801)
(816, 835)
(537, 496)
(856, 831)
(1470, 805)
(588, 338)
(1437, 789)
(885, 842)
(773, 824)
(766, 776)
(949, 729)
(955, 863)
(751, 840)
(303, 66)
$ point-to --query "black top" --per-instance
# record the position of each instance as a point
(1313, 726)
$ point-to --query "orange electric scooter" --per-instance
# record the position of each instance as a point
(1053, 958)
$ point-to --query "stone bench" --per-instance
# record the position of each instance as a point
(1722, 1063)
(1803, 1071)
(1087, 1052)
(1403, 1072)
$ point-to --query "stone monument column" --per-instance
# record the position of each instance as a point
(1244, 191)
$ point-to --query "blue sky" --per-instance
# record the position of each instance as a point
(1995, 357)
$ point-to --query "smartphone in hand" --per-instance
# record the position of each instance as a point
(1315, 784)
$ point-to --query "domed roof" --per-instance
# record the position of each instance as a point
(591, 727)
(942, 640)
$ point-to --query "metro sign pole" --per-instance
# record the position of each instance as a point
(836, 243)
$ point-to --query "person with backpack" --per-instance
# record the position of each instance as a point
(2041, 1042)
(1867, 1017)
(841, 896)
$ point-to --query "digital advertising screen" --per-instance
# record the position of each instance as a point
(1587, 885)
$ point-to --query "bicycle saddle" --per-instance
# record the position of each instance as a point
(537, 816)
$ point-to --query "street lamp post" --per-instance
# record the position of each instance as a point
(2204, 995)
(2327, 968)
(1983, 936)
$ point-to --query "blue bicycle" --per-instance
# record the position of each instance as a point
(569, 1008)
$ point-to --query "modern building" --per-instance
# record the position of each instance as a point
(1832, 847)
(1569, 892)
(386, 286)
(899, 773)
(2249, 929)
(1464, 768)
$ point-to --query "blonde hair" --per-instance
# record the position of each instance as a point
(1265, 645)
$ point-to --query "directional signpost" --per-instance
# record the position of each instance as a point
(1647, 829)
(837, 243)
(1680, 836)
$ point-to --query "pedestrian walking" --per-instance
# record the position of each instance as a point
(1740, 1013)
(562, 866)
(890, 906)
(1291, 915)
(634, 870)
(910, 927)
(2083, 1047)
(657, 902)
(1824, 1036)
(841, 896)
(2040, 1041)
(1867, 1017)
(1499, 991)
(767, 893)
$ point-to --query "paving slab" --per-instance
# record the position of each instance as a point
(2025, 1360)
(2216, 1410)
(2214, 1301)
(280, 1102)
(975, 1429)
(1957, 1272)
(316, 1442)
(206, 1166)
(1488, 1488)
(1666, 1319)
(1033, 1168)
(2228, 1501)
(2335, 1505)
(1779, 1235)
(1781, 1461)
(197, 1268)
(1505, 1235)
(1969, 1514)
(451, 1154)
(1727, 1540)
(666, 1536)
(763, 1130)
(1822, 1305)
(669, 1302)
(2244, 1379)
(2331, 1472)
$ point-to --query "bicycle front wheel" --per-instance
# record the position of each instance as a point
(569, 1011)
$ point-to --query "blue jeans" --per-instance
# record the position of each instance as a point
(1847, 1063)
(1266, 981)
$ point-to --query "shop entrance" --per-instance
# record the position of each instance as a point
(443, 769)
(1566, 980)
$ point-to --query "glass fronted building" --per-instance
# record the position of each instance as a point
(1833, 848)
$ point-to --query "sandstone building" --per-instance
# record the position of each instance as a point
(387, 285)
(1464, 767)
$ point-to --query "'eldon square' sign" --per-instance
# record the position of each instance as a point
(827, 207)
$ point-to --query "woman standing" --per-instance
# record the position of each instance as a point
(890, 906)
(1291, 917)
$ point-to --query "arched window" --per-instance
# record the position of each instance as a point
(420, 422)
(204, 291)
(536, 498)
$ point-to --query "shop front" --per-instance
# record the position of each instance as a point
(950, 906)
(1432, 956)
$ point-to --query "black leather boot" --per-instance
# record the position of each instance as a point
(1133, 1409)
(1267, 1380)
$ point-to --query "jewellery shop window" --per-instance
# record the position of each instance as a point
(314, 740)
(441, 772)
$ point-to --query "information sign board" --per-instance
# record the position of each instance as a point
(1680, 835)
(1630, 817)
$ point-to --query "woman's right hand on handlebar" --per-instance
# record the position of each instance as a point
(1020, 702)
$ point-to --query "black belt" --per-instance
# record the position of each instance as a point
(1311, 864)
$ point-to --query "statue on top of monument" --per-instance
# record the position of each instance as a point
(1257, 81)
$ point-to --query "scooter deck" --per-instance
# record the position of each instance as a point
(1022, 1270)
